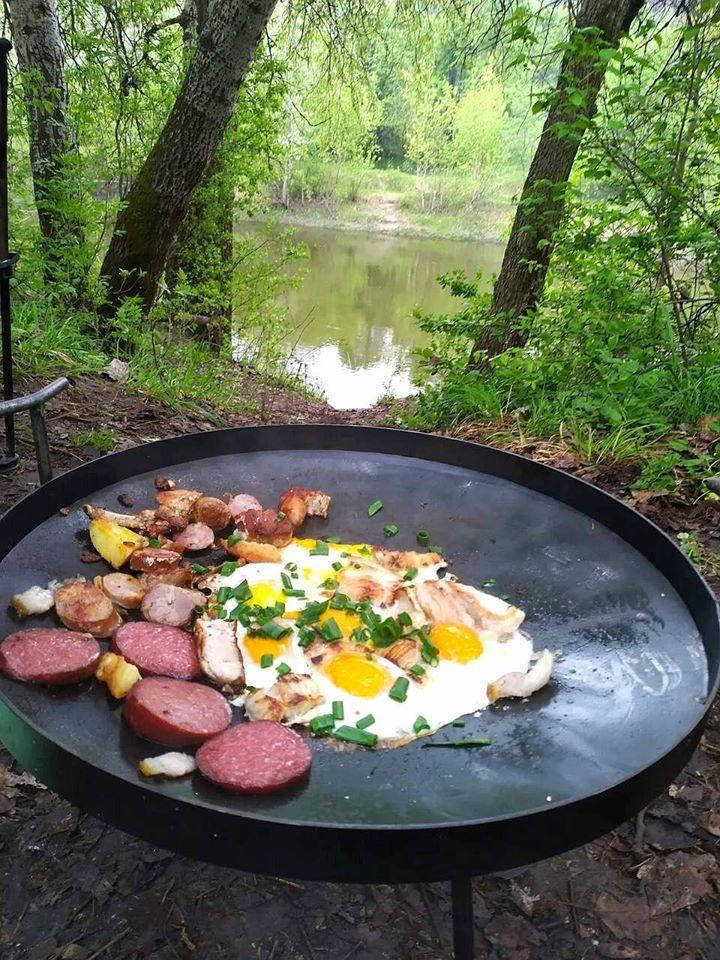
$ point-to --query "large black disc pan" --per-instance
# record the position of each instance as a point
(635, 625)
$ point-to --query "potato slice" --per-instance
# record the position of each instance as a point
(113, 542)
(119, 675)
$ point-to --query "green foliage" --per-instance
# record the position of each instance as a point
(102, 439)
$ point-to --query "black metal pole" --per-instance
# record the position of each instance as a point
(9, 458)
(463, 918)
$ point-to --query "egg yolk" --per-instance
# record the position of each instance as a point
(357, 675)
(362, 549)
(345, 620)
(266, 594)
(455, 641)
(257, 647)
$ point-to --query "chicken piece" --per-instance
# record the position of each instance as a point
(297, 503)
(163, 483)
(523, 684)
(171, 605)
(219, 654)
(131, 521)
(168, 765)
(405, 653)
(441, 605)
(249, 551)
(118, 675)
(176, 506)
(406, 602)
(489, 612)
(33, 600)
(402, 560)
(266, 526)
(291, 696)
(365, 580)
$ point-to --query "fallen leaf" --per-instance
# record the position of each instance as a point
(616, 951)
(677, 881)
(513, 937)
(662, 834)
(523, 898)
(711, 821)
(642, 496)
(627, 919)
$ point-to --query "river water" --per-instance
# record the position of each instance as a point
(353, 330)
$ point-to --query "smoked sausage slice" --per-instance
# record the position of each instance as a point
(82, 606)
(123, 589)
(196, 536)
(154, 560)
(259, 757)
(53, 656)
(242, 502)
(158, 649)
(175, 712)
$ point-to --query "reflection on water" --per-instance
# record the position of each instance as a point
(352, 315)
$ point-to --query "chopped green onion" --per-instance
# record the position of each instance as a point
(322, 724)
(242, 592)
(479, 742)
(286, 581)
(434, 548)
(332, 540)
(338, 601)
(338, 711)
(266, 660)
(198, 608)
(489, 583)
(354, 735)
(223, 594)
(417, 669)
(273, 630)
(330, 583)
(305, 637)
(295, 593)
(423, 537)
(459, 722)
(229, 567)
(198, 568)
(398, 691)
(390, 530)
(375, 507)
(505, 596)
(291, 566)
(420, 724)
(154, 542)
(320, 549)
(404, 619)
(330, 630)
(233, 539)
(411, 574)
(366, 721)
(337, 565)
(283, 669)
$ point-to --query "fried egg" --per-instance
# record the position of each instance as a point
(470, 641)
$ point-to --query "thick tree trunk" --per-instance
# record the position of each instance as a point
(160, 196)
(540, 210)
(36, 33)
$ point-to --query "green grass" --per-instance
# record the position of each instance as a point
(101, 438)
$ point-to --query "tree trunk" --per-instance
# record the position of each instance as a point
(36, 33)
(540, 210)
(160, 196)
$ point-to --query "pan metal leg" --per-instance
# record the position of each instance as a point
(42, 451)
(463, 920)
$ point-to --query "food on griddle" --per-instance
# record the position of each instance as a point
(123, 589)
(83, 607)
(212, 512)
(369, 646)
(176, 713)
(255, 758)
(114, 543)
(117, 674)
(195, 536)
(52, 656)
(219, 654)
(168, 765)
(34, 600)
(158, 650)
(242, 502)
(171, 605)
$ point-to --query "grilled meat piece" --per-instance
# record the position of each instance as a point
(250, 551)
(402, 560)
(289, 698)
(265, 526)
(123, 589)
(219, 654)
(523, 684)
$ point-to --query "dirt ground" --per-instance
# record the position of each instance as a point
(75, 889)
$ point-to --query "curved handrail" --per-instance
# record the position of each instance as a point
(18, 404)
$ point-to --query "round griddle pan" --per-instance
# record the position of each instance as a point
(634, 625)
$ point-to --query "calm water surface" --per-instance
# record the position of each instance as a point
(352, 315)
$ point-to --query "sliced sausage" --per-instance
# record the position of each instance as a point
(267, 526)
(242, 502)
(260, 757)
(158, 649)
(175, 712)
(196, 536)
(212, 511)
(82, 606)
(174, 606)
(123, 589)
(154, 560)
(52, 656)
(179, 576)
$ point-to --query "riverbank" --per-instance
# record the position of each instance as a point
(123, 898)
(397, 203)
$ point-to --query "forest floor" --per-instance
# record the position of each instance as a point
(75, 889)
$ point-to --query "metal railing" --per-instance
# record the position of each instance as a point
(34, 403)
